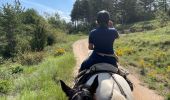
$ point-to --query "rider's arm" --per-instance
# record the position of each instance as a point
(91, 42)
(117, 34)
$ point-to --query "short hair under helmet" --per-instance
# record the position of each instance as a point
(103, 17)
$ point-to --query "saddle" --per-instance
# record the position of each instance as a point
(85, 75)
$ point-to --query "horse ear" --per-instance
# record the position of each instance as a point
(67, 90)
(94, 85)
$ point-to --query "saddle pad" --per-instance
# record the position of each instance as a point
(104, 67)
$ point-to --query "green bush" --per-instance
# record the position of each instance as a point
(38, 42)
(136, 29)
(23, 43)
(147, 27)
(4, 86)
(162, 18)
(1, 60)
(31, 58)
(168, 96)
(51, 39)
(17, 69)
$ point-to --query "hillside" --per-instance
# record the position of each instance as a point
(148, 52)
(39, 81)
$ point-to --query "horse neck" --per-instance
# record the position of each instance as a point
(107, 88)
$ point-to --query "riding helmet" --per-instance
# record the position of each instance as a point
(103, 17)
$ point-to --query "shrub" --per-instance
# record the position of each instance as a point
(59, 52)
(147, 27)
(163, 18)
(23, 43)
(1, 60)
(51, 39)
(39, 38)
(17, 69)
(31, 58)
(4, 86)
(168, 96)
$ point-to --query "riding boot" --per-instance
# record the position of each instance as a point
(124, 74)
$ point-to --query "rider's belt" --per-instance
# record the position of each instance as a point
(108, 55)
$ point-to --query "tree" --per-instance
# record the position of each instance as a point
(30, 16)
(146, 9)
(10, 21)
(39, 39)
(57, 22)
(163, 4)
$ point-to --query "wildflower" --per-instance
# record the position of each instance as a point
(59, 51)
(168, 69)
(142, 63)
(119, 52)
(152, 73)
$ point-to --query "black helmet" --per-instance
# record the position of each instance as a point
(103, 17)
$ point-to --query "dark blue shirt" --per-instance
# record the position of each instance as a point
(103, 38)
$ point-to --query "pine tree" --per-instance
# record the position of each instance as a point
(9, 22)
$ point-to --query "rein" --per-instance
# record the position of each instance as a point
(79, 92)
(75, 95)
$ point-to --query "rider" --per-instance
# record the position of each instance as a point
(101, 42)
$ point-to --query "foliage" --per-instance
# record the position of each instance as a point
(149, 52)
(17, 69)
(163, 18)
(31, 58)
(41, 81)
(10, 22)
(59, 52)
(4, 86)
(30, 16)
(39, 40)
(25, 30)
(123, 12)
(57, 22)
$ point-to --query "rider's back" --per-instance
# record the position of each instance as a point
(103, 39)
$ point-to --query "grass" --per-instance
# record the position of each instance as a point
(149, 52)
(139, 26)
(40, 82)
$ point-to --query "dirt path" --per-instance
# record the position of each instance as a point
(140, 92)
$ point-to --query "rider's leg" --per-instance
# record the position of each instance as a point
(91, 60)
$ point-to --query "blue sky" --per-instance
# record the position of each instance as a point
(63, 7)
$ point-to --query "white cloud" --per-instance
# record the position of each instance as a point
(43, 8)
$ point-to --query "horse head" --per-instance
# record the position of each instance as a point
(81, 92)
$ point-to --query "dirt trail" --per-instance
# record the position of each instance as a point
(140, 92)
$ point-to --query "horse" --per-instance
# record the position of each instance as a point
(100, 86)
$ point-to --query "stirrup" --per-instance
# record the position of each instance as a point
(123, 72)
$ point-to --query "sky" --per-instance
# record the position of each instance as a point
(62, 7)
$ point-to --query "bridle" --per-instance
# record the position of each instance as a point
(82, 92)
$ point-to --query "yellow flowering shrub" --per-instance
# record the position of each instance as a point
(122, 51)
(59, 51)
(160, 55)
(119, 52)
(142, 63)
(128, 51)
(152, 73)
(168, 69)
